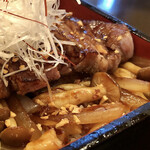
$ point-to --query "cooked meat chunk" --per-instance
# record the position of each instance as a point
(4, 92)
(93, 62)
(26, 81)
(114, 36)
(114, 60)
(99, 46)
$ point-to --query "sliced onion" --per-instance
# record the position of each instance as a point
(95, 114)
(133, 84)
(28, 104)
(22, 118)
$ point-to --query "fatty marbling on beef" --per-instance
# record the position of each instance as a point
(99, 46)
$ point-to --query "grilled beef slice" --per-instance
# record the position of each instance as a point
(26, 81)
(99, 46)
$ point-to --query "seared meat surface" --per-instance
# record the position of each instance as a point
(99, 46)
(25, 81)
(4, 91)
(114, 36)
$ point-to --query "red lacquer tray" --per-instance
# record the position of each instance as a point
(131, 131)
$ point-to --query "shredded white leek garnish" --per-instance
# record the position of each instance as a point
(24, 25)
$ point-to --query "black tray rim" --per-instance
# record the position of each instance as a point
(116, 20)
(110, 130)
